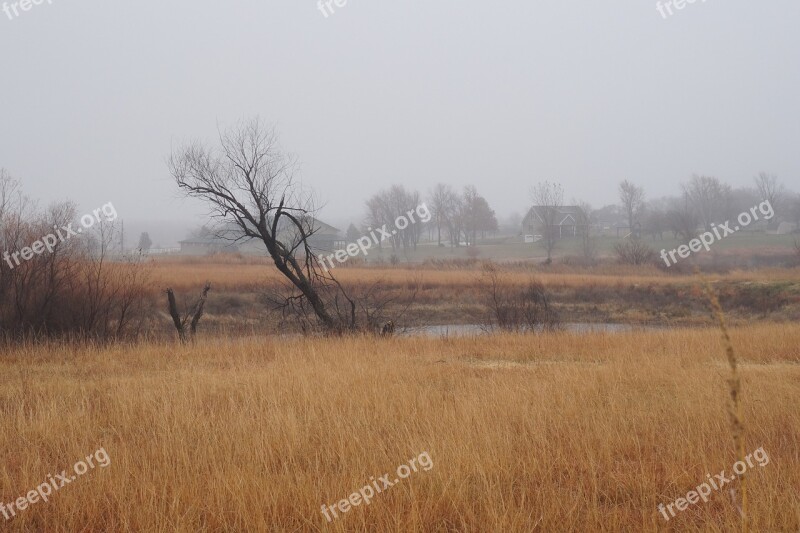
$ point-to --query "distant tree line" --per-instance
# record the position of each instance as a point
(703, 201)
(384, 208)
(457, 217)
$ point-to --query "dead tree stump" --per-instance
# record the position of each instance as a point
(195, 315)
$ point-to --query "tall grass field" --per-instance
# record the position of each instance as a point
(550, 432)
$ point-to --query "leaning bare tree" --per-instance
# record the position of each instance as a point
(249, 183)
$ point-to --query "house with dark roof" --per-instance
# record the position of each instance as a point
(569, 221)
(229, 238)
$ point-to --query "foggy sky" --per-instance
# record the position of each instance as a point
(497, 94)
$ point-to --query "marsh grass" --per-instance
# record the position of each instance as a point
(553, 432)
(252, 274)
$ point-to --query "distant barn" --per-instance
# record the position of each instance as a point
(225, 239)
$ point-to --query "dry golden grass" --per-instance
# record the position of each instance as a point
(557, 432)
(229, 275)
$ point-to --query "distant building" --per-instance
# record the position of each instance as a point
(206, 244)
(229, 239)
(569, 221)
(610, 220)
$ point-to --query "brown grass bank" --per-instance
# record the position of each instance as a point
(619, 294)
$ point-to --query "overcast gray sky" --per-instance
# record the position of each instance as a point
(496, 94)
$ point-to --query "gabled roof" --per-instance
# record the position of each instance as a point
(568, 217)
(568, 213)
(325, 229)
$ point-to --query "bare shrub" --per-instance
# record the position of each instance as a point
(473, 252)
(369, 307)
(455, 263)
(762, 298)
(73, 291)
(634, 252)
(515, 309)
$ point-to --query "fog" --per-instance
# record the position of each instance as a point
(95, 95)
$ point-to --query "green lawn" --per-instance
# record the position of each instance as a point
(502, 249)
